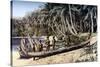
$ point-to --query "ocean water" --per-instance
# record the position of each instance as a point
(15, 42)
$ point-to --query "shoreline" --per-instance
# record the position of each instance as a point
(67, 57)
(62, 58)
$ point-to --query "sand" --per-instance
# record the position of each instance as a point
(67, 57)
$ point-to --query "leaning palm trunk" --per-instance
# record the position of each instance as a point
(91, 13)
(70, 29)
(72, 21)
(23, 49)
(30, 42)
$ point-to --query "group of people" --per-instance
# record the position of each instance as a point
(36, 45)
(48, 43)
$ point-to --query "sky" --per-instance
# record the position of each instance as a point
(20, 8)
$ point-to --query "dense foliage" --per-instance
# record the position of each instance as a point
(57, 19)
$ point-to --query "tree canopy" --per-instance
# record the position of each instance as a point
(57, 19)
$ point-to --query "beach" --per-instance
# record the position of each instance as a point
(67, 57)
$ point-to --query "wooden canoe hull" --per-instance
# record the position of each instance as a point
(60, 50)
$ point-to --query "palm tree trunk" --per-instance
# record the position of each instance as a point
(72, 21)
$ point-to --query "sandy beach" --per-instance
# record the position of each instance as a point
(67, 57)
